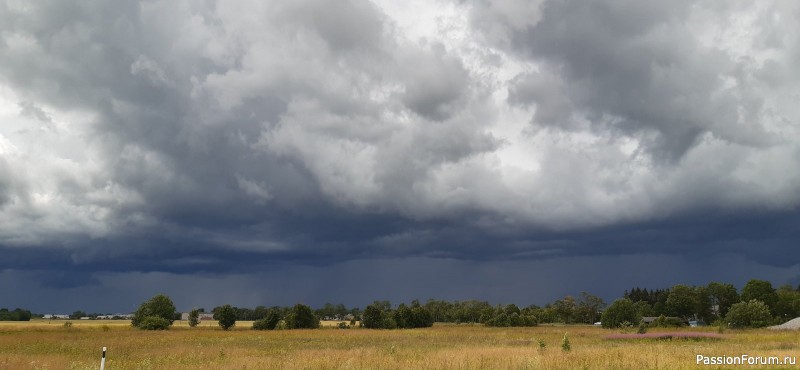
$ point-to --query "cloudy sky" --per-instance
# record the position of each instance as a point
(274, 152)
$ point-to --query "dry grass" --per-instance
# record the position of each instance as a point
(43, 345)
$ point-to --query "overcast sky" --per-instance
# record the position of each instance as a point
(275, 152)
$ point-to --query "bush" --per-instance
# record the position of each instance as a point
(226, 317)
(270, 322)
(159, 306)
(751, 314)
(620, 312)
(153, 323)
(262, 324)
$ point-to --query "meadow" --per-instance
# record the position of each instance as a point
(49, 345)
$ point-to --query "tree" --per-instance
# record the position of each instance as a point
(788, 305)
(158, 306)
(681, 301)
(761, 290)
(750, 314)
(621, 311)
(643, 309)
(77, 315)
(302, 317)
(372, 317)
(721, 296)
(17, 314)
(565, 309)
(589, 306)
(194, 317)
(154, 323)
(226, 316)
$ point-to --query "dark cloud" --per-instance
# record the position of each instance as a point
(638, 69)
(219, 140)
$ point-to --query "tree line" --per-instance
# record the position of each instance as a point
(758, 304)
(17, 314)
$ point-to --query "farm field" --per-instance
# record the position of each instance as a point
(43, 345)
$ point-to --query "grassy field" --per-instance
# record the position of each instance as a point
(43, 345)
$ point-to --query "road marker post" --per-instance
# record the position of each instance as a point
(103, 360)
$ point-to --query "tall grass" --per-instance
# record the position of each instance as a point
(39, 345)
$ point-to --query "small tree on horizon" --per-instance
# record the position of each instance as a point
(159, 306)
(302, 317)
(194, 317)
(622, 310)
(226, 317)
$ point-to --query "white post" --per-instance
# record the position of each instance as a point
(103, 360)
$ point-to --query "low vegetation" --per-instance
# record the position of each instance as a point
(42, 345)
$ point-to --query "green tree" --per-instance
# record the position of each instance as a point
(761, 290)
(622, 310)
(154, 323)
(302, 317)
(750, 314)
(681, 301)
(722, 297)
(194, 317)
(589, 307)
(565, 309)
(158, 306)
(788, 305)
(225, 316)
(643, 309)
(77, 315)
(372, 317)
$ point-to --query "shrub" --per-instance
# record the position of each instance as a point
(270, 322)
(750, 314)
(565, 346)
(262, 324)
(226, 317)
(153, 323)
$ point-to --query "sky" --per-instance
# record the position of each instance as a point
(274, 152)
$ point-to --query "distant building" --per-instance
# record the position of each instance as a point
(55, 317)
(202, 316)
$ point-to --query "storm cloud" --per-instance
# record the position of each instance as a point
(214, 141)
